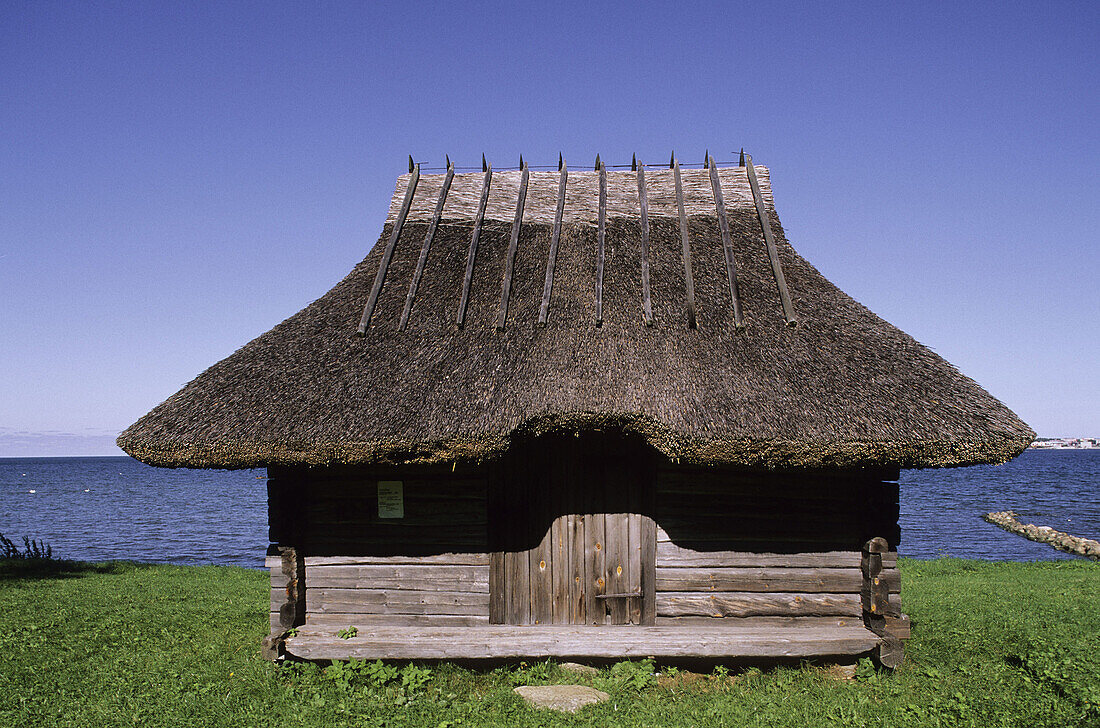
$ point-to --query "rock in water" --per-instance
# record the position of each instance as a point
(563, 698)
(1009, 521)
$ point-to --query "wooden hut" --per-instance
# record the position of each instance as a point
(585, 414)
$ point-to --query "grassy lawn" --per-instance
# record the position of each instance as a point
(123, 644)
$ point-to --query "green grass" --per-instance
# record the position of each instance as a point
(123, 644)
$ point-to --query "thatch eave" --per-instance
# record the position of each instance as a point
(718, 450)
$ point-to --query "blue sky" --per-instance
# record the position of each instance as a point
(177, 178)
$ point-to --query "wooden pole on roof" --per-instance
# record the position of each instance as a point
(387, 256)
(513, 245)
(769, 241)
(647, 304)
(415, 283)
(468, 279)
(689, 281)
(548, 285)
(727, 243)
(600, 236)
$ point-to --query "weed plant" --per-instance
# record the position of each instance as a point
(32, 549)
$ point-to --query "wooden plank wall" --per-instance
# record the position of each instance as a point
(769, 546)
(441, 590)
(429, 568)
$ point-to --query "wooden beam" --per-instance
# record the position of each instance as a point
(577, 612)
(415, 283)
(595, 567)
(689, 280)
(722, 578)
(769, 240)
(288, 599)
(400, 576)
(513, 245)
(618, 566)
(647, 305)
(600, 237)
(542, 575)
(747, 604)
(465, 299)
(560, 542)
(544, 310)
(874, 593)
(387, 256)
(875, 601)
(330, 624)
(452, 559)
(727, 243)
(648, 583)
(507, 641)
(396, 601)
(497, 613)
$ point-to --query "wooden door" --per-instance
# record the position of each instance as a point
(572, 539)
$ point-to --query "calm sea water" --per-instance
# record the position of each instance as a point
(117, 508)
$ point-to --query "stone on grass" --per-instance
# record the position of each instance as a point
(579, 668)
(563, 698)
(840, 672)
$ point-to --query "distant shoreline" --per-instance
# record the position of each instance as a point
(1042, 443)
(1065, 443)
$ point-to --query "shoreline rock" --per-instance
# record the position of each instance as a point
(1009, 521)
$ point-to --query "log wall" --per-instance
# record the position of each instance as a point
(428, 568)
(754, 545)
(757, 547)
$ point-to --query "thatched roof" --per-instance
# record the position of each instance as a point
(840, 388)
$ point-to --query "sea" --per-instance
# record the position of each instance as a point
(106, 508)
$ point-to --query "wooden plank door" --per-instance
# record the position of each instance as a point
(624, 585)
(591, 568)
(572, 539)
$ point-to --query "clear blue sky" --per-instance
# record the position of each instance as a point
(176, 178)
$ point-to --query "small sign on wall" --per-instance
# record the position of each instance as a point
(391, 499)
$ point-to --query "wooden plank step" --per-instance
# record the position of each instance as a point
(498, 641)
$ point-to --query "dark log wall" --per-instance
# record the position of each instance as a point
(710, 509)
(737, 543)
(334, 512)
(430, 567)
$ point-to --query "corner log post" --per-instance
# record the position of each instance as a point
(285, 535)
(879, 615)
(292, 612)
